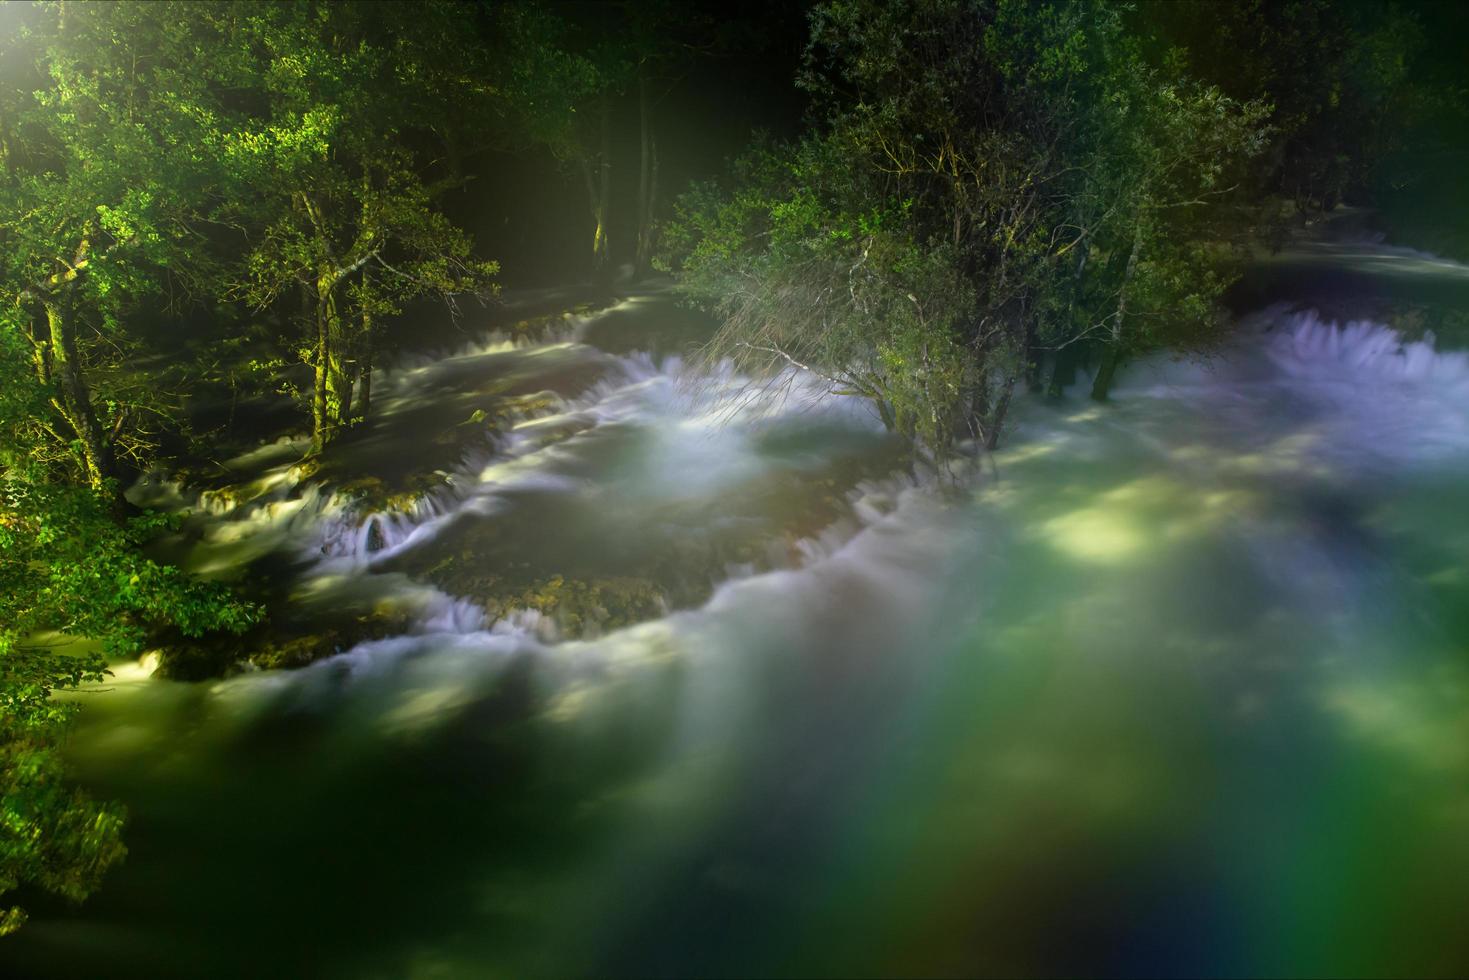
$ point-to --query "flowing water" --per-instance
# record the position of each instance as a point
(1179, 685)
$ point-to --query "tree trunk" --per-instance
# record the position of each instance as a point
(1102, 386)
(652, 245)
(338, 384)
(345, 387)
(604, 191)
(885, 412)
(647, 177)
(76, 399)
(332, 390)
(40, 354)
(599, 190)
(1063, 364)
(318, 386)
(599, 220)
(997, 420)
(1063, 371)
(977, 411)
(365, 366)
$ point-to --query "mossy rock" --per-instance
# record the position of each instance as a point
(371, 494)
(185, 659)
(583, 607)
(273, 652)
(535, 403)
(577, 606)
(535, 325)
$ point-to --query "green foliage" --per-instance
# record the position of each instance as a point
(548, 84)
(107, 197)
(773, 256)
(328, 169)
(68, 567)
(993, 179)
(29, 446)
(52, 834)
(1338, 77)
(67, 564)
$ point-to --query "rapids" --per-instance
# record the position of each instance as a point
(1177, 685)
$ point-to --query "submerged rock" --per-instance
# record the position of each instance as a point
(272, 647)
(582, 607)
(371, 494)
(285, 651)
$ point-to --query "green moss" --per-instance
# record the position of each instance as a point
(371, 494)
(272, 648)
(536, 326)
(277, 652)
(581, 607)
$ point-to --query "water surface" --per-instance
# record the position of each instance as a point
(1177, 685)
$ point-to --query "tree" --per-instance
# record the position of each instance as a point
(990, 181)
(562, 90)
(1156, 213)
(810, 273)
(106, 199)
(349, 215)
(1339, 78)
(108, 195)
(661, 36)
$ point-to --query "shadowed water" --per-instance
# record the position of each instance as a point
(1176, 686)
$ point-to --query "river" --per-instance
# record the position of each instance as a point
(1173, 686)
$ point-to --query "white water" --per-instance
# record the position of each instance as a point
(1347, 394)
